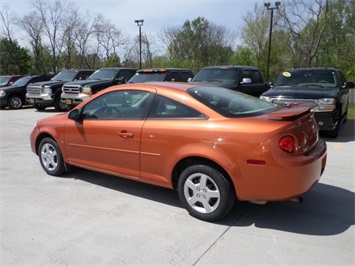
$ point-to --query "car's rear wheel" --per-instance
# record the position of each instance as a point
(39, 107)
(15, 102)
(205, 192)
(50, 157)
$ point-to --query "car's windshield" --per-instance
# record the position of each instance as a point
(147, 76)
(231, 103)
(104, 74)
(65, 76)
(216, 75)
(22, 81)
(4, 80)
(323, 78)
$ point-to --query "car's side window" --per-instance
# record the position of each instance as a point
(173, 76)
(246, 74)
(117, 105)
(165, 108)
(256, 77)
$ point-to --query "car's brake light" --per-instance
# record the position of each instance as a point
(287, 144)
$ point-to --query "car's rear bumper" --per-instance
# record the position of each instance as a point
(281, 179)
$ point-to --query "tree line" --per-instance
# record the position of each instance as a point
(306, 33)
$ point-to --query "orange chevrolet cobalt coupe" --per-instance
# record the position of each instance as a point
(212, 145)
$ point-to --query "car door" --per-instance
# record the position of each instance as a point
(107, 137)
(166, 130)
(250, 88)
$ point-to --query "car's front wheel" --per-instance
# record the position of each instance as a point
(205, 192)
(15, 102)
(50, 157)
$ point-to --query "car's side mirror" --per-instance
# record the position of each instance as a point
(189, 79)
(74, 115)
(121, 80)
(269, 84)
(349, 85)
(246, 81)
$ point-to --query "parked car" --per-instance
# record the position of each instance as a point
(211, 144)
(44, 94)
(14, 96)
(162, 74)
(73, 93)
(244, 79)
(6, 81)
(325, 88)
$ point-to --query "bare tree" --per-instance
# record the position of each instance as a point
(7, 22)
(32, 25)
(306, 21)
(53, 16)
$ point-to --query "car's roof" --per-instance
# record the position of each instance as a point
(182, 86)
(162, 69)
(117, 68)
(230, 67)
(310, 68)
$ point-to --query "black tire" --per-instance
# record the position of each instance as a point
(50, 157)
(39, 107)
(70, 107)
(15, 102)
(59, 105)
(205, 192)
(334, 133)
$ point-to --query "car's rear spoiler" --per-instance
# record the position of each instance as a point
(289, 114)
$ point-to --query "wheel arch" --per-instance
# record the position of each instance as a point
(192, 160)
(40, 138)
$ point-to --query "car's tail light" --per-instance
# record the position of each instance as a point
(287, 144)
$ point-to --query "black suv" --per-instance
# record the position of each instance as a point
(45, 94)
(162, 74)
(14, 96)
(244, 79)
(326, 88)
(73, 93)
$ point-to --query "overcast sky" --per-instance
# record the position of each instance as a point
(157, 14)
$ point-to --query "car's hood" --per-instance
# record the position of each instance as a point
(11, 87)
(48, 83)
(88, 82)
(301, 92)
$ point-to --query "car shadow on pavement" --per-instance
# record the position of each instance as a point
(150, 192)
(325, 210)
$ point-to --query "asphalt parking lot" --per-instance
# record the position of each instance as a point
(92, 218)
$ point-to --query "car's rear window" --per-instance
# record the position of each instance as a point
(231, 103)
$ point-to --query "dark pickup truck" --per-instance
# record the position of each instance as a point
(325, 88)
(45, 94)
(73, 93)
(244, 79)
(14, 96)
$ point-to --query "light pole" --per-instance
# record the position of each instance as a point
(140, 24)
(267, 5)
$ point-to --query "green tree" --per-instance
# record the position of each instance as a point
(338, 42)
(13, 58)
(197, 44)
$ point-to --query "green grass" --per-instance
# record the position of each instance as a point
(351, 111)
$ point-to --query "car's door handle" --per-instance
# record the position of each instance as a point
(126, 135)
